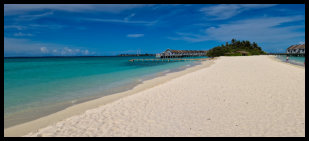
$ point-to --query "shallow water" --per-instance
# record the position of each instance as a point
(297, 60)
(34, 87)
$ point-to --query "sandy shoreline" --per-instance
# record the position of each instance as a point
(234, 96)
(293, 64)
(13, 119)
(24, 128)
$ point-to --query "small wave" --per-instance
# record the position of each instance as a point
(73, 101)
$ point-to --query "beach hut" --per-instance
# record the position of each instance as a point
(243, 53)
(296, 49)
(169, 53)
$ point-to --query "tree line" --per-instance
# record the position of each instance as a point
(236, 48)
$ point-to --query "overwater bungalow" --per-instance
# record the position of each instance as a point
(181, 53)
(296, 49)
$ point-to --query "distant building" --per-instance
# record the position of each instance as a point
(181, 53)
(146, 54)
(243, 53)
(296, 49)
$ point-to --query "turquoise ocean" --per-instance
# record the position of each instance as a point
(36, 87)
(297, 60)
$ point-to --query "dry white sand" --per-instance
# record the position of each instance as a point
(236, 96)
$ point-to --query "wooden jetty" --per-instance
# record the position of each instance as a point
(169, 59)
(181, 53)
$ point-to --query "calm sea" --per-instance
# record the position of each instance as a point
(35, 87)
(298, 60)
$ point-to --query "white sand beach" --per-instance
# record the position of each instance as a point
(234, 96)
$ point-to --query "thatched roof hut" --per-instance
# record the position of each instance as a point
(186, 51)
(169, 53)
(243, 53)
(297, 47)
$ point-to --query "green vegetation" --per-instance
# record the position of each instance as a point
(236, 48)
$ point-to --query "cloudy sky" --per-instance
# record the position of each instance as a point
(111, 29)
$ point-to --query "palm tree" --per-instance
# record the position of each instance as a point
(233, 41)
(254, 45)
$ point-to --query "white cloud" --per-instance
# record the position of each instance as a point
(66, 51)
(24, 47)
(226, 11)
(147, 23)
(32, 17)
(301, 42)
(129, 17)
(85, 52)
(135, 35)
(55, 51)
(267, 30)
(20, 34)
(12, 9)
(44, 50)
(46, 26)
(261, 29)
(33, 26)
(18, 27)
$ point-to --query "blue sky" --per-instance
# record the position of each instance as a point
(111, 29)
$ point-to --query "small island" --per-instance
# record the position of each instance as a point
(236, 48)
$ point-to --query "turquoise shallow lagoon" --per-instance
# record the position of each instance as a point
(35, 87)
(297, 60)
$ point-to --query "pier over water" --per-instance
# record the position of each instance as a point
(181, 53)
(169, 59)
